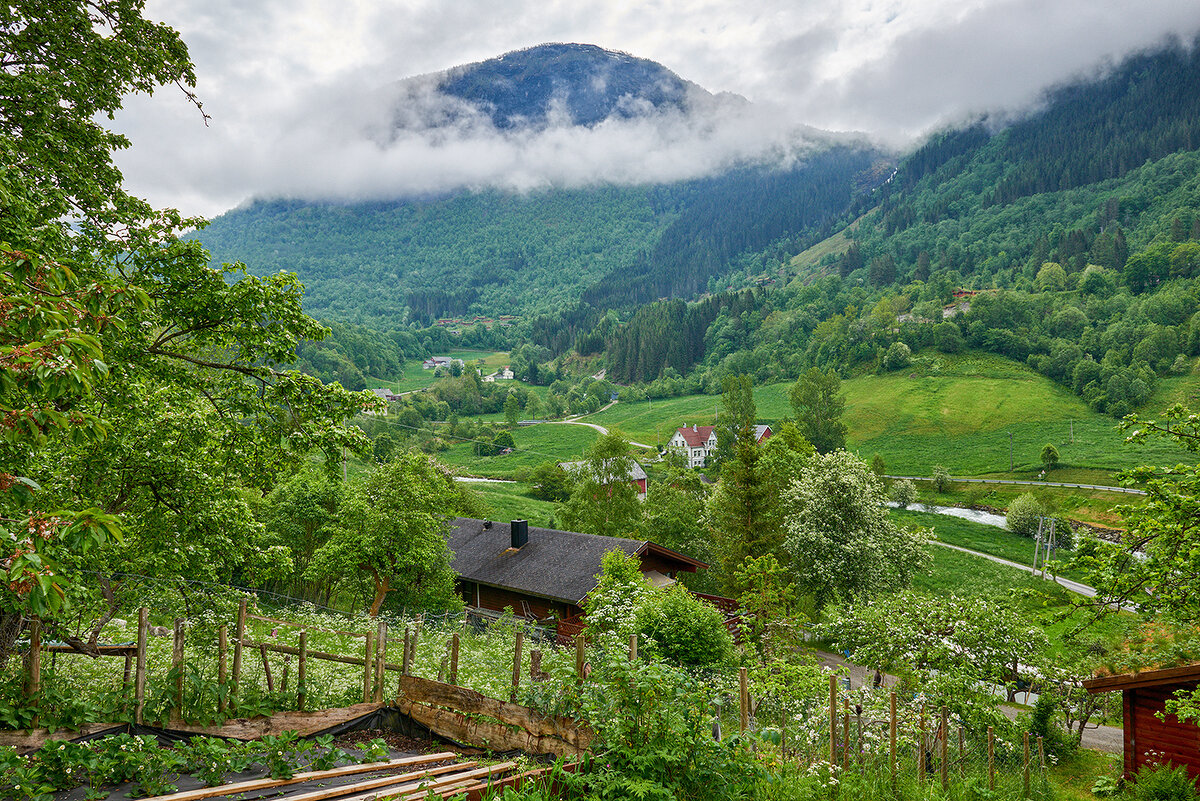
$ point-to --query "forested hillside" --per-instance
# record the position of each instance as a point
(1069, 240)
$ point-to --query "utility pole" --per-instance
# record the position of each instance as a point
(1010, 452)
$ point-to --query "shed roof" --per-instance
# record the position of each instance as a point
(636, 472)
(1145, 678)
(559, 565)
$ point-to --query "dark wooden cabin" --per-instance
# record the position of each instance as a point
(1147, 737)
(543, 572)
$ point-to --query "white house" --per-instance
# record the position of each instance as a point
(505, 373)
(695, 443)
(698, 442)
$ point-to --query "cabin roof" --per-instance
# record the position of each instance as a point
(560, 565)
(1144, 678)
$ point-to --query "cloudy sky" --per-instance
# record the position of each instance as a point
(292, 84)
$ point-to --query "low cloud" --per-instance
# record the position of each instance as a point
(303, 100)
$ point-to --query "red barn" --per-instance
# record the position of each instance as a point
(1149, 739)
(543, 572)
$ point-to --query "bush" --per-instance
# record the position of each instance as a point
(897, 357)
(904, 493)
(1163, 783)
(941, 478)
(1023, 514)
(1055, 739)
(684, 629)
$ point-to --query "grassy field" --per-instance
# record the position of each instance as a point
(534, 445)
(513, 502)
(957, 411)
(1090, 506)
(417, 377)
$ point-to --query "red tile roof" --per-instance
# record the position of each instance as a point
(695, 436)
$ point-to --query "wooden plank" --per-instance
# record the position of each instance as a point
(1146, 678)
(486, 734)
(299, 778)
(277, 621)
(139, 675)
(177, 670)
(301, 722)
(287, 649)
(422, 789)
(35, 664)
(470, 702)
(104, 650)
(454, 658)
(383, 787)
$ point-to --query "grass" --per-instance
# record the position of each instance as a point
(956, 411)
(1090, 506)
(1048, 603)
(534, 445)
(414, 376)
(513, 502)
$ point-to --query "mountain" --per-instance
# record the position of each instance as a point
(585, 83)
(489, 251)
(1067, 239)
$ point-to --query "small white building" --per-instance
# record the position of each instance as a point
(505, 373)
(440, 361)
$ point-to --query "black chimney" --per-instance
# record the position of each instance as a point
(520, 532)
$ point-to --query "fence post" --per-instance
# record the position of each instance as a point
(892, 736)
(516, 673)
(454, 658)
(139, 671)
(632, 647)
(535, 665)
(404, 666)
(368, 658)
(579, 653)
(991, 758)
(833, 721)
(921, 749)
(302, 671)
(287, 668)
(239, 635)
(1025, 769)
(35, 664)
(222, 668)
(380, 660)
(1041, 753)
(945, 749)
(177, 669)
(262, 649)
(744, 700)
(412, 646)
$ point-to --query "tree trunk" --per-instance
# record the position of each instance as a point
(382, 585)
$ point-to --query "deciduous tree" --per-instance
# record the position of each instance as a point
(817, 400)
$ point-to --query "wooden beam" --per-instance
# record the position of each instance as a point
(407, 781)
(1146, 678)
(299, 778)
(423, 789)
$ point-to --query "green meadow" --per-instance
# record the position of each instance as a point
(534, 444)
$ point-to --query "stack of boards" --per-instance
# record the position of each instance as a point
(416, 777)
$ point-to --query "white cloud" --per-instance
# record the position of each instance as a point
(292, 85)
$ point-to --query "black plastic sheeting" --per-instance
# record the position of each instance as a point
(388, 719)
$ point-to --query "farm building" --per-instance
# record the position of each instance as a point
(1149, 738)
(697, 443)
(637, 475)
(542, 572)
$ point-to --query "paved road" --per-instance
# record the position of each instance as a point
(1099, 738)
(1126, 490)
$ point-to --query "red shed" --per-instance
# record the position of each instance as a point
(1147, 737)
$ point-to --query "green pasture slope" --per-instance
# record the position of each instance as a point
(417, 377)
(956, 411)
(534, 445)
